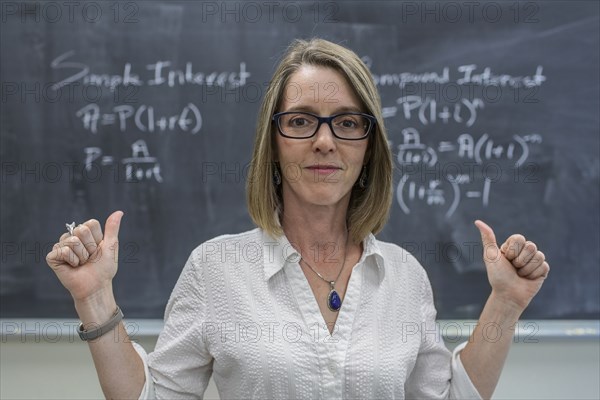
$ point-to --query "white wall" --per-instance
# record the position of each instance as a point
(550, 369)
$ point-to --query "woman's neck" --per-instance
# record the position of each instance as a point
(320, 234)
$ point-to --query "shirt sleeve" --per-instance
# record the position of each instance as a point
(148, 389)
(180, 366)
(437, 373)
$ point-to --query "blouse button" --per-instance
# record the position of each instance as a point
(333, 367)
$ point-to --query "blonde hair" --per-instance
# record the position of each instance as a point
(369, 207)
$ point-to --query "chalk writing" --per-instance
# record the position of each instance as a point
(428, 111)
(160, 73)
(144, 118)
(412, 151)
(446, 192)
(485, 148)
(467, 74)
(487, 78)
(434, 192)
(139, 167)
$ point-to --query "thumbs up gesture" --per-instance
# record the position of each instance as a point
(86, 262)
(516, 270)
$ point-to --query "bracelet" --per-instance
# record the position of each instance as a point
(102, 329)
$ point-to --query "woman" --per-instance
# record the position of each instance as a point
(310, 304)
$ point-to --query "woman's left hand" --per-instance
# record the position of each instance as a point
(516, 270)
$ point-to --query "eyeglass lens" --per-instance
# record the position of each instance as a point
(347, 126)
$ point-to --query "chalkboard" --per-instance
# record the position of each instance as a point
(150, 108)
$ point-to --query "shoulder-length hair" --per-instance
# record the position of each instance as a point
(369, 207)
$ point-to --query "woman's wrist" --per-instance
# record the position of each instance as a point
(96, 309)
(505, 306)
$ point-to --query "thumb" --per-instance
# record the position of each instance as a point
(488, 239)
(111, 228)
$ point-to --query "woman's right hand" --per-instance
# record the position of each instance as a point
(86, 262)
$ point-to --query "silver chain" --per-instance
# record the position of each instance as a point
(332, 283)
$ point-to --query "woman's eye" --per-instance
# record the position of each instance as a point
(298, 122)
(348, 123)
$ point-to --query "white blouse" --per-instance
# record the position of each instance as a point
(243, 311)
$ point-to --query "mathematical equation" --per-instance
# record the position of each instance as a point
(428, 111)
(144, 118)
(449, 187)
(141, 166)
(412, 151)
(446, 192)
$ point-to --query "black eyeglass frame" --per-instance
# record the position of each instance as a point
(327, 120)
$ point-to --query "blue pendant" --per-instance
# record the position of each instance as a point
(333, 300)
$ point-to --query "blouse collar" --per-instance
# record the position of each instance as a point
(278, 251)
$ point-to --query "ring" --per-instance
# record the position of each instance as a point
(70, 228)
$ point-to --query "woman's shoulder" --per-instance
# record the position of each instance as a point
(254, 234)
(398, 257)
(394, 251)
(228, 247)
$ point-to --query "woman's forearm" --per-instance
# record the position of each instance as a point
(485, 354)
(119, 366)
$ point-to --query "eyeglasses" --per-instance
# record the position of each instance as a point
(302, 125)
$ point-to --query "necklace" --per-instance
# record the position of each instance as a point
(334, 302)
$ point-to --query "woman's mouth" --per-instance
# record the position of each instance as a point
(323, 169)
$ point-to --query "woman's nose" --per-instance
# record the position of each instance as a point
(324, 140)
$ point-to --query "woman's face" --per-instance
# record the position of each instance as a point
(320, 170)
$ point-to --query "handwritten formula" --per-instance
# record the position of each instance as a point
(444, 185)
(143, 117)
(141, 166)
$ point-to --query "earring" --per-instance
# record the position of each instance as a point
(362, 182)
(276, 177)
